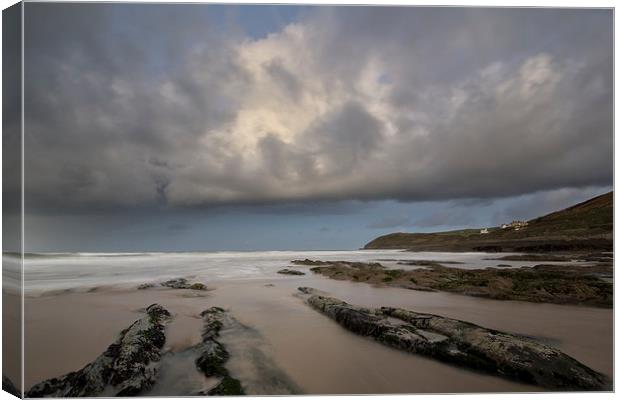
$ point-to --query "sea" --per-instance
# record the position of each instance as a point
(45, 272)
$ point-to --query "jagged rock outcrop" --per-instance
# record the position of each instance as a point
(227, 387)
(462, 343)
(182, 283)
(544, 283)
(288, 271)
(198, 286)
(213, 354)
(352, 264)
(145, 286)
(128, 367)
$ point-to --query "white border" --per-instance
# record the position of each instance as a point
(479, 3)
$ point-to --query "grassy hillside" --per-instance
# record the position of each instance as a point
(584, 226)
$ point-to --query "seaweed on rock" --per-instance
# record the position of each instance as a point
(128, 367)
(213, 355)
(462, 343)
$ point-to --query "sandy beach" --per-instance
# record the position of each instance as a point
(11, 318)
(283, 346)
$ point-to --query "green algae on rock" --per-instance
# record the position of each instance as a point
(288, 271)
(213, 355)
(128, 367)
(463, 344)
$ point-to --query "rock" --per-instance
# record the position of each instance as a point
(351, 264)
(213, 322)
(128, 367)
(9, 387)
(193, 295)
(182, 283)
(308, 261)
(513, 356)
(464, 344)
(227, 387)
(145, 286)
(213, 355)
(426, 263)
(310, 290)
(560, 284)
(198, 286)
(178, 283)
(287, 271)
(415, 287)
(212, 359)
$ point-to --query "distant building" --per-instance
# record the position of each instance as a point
(516, 225)
(483, 231)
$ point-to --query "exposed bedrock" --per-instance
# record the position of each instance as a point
(288, 271)
(128, 367)
(462, 343)
(176, 283)
(182, 283)
(213, 354)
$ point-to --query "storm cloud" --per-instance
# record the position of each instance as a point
(163, 106)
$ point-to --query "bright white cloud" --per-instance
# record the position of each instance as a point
(329, 107)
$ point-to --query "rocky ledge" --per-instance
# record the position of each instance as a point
(545, 283)
(213, 355)
(351, 264)
(177, 283)
(462, 343)
(128, 367)
(287, 271)
(182, 283)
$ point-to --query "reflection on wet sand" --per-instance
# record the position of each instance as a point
(281, 345)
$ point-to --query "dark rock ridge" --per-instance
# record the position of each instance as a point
(128, 367)
(463, 343)
(144, 286)
(182, 283)
(213, 355)
(351, 264)
(260, 374)
(9, 387)
(287, 271)
(308, 261)
(543, 283)
(426, 263)
(227, 387)
(177, 283)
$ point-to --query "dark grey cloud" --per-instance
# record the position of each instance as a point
(538, 204)
(449, 217)
(393, 221)
(308, 208)
(176, 227)
(11, 129)
(164, 107)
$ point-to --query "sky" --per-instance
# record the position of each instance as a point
(190, 127)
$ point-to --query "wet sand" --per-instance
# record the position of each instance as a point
(282, 345)
(12, 337)
(11, 319)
